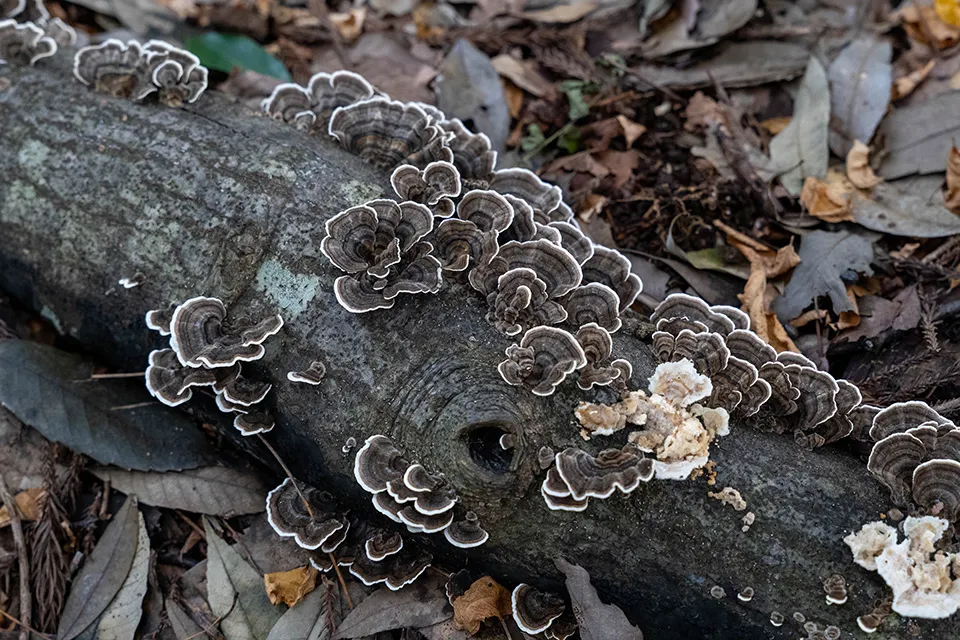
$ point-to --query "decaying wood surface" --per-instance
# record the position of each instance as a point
(214, 200)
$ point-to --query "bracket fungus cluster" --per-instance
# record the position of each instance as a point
(135, 71)
(28, 33)
(407, 493)
(534, 611)
(309, 108)
(206, 350)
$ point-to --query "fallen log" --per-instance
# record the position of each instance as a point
(213, 200)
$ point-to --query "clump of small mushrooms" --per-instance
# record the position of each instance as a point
(135, 71)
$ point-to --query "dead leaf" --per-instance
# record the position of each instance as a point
(904, 252)
(911, 207)
(951, 198)
(948, 11)
(122, 617)
(28, 504)
(922, 23)
(621, 164)
(860, 81)
(596, 619)
(350, 23)
(919, 137)
(513, 95)
(486, 598)
(561, 13)
(422, 604)
(825, 201)
(582, 162)
(879, 314)
(716, 19)
(289, 587)
(904, 85)
(631, 130)
(776, 125)
(800, 150)
(471, 90)
(703, 111)
(849, 319)
(524, 74)
(858, 167)
(807, 317)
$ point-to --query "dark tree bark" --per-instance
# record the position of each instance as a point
(213, 200)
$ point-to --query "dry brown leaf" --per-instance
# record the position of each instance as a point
(776, 125)
(858, 167)
(703, 111)
(850, 319)
(948, 11)
(591, 206)
(952, 196)
(905, 251)
(513, 95)
(582, 162)
(620, 163)
(924, 25)
(825, 201)
(289, 587)
(561, 14)
(955, 81)
(28, 504)
(524, 74)
(807, 317)
(904, 85)
(486, 598)
(349, 23)
(631, 130)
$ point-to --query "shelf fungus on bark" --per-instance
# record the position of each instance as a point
(379, 246)
(521, 302)
(310, 107)
(557, 494)
(378, 462)
(290, 517)
(611, 268)
(290, 103)
(176, 74)
(311, 375)
(589, 476)
(24, 44)
(597, 347)
(396, 570)
(471, 239)
(435, 186)
(534, 610)
(706, 350)
(169, 381)
(545, 199)
(839, 425)
(382, 544)
(253, 422)
(387, 133)
(593, 302)
(573, 241)
(552, 264)
(925, 579)
(542, 360)
(202, 336)
(226, 406)
(466, 533)
(693, 309)
(473, 155)
(244, 391)
(835, 588)
(901, 416)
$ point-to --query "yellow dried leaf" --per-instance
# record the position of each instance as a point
(631, 130)
(849, 319)
(486, 598)
(923, 25)
(948, 11)
(349, 23)
(904, 85)
(776, 125)
(28, 504)
(289, 587)
(905, 251)
(513, 96)
(825, 202)
(808, 316)
(952, 196)
(858, 167)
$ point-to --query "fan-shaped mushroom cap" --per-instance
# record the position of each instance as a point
(597, 347)
(730, 384)
(545, 457)
(748, 346)
(466, 533)
(289, 516)
(542, 360)
(382, 544)
(253, 422)
(396, 570)
(836, 589)
(290, 103)
(680, 383)
(434, 186)
(791, 357)
(328, 91)
(175, 86)
(543, 198)
(523, 227)
(557, 494)
(387, 133)
(572, 239)
(487, 209)
(473, 155)
(938, 481)
(461, 243)
(311, 375)
(432, 494)
(201, 337)
(333, 542)
(783, 396)
(24, 43)
(228, 407)
(552, 264)
(740, 319)
(420, 522)
(385, 504)
(901, 416)
(11, 8)
(378, 461)
(169, 381)
(681, 305)
(598, 477)
(562, 628)
(862, 418)
(612, 268)
(754, 397)
(594, 302)
(706, 350)
(244, 391)
(840, 425)
(818, 395)
(893, 460)
(520, 302)
(159, 319)
(535, 610)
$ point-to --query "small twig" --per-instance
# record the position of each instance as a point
(136, 405)
(111, 376)
(343, 583)
(104, 501)
(210, 626)
(26, 597)
(286, 470)
(193, 525)
(23, 626)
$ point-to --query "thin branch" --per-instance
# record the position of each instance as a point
(213, 624)
(23, 626)
(286, 470)
(343, 583)
(26, 597)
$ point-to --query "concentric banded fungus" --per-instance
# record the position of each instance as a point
(612, 268)
(244, 391)
(937, 482)
(681, 305)
(311, 375)
(730, 385)
(396, 571)
(290, 103)
(598, 477)
(176, 74)
(434, 186)
(201, 335)
(836, 589)
(169, 382)
(818, 396)
(112, 67)
(460, 244)
(523, 227)
(572, 239)
(543, 198)
(387, 133)
(680, 383)
(544, 357)
(707, 351)
(377, 463)
(11, 8)
(594, 302)
(24, 43)
(422, 523)
(535, 610)
(489, 210)
(379, 245)
(253, 422)
(840, 425)
(521, 302)
(382, 545)
(466, 533)
(597, 346)
(228, 407)
(289, 516)
(893, 460)
(901, 416)
(61, 33)
(557, 494)
(385, 504)
(557, 268)
(338, 89)
(433, 495)
(862, 417)
(473, 155)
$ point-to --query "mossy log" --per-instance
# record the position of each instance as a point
(214, 200)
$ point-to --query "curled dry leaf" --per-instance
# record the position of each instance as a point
(951, 198)
(948, 11)
(923, 24)
(825, 201)
(486, 598)
(631, 130)
(289, 587)
(350, 23)
(28, 504)
(858, 167)
(904, 85)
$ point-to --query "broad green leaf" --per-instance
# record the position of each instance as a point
(226, 51)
